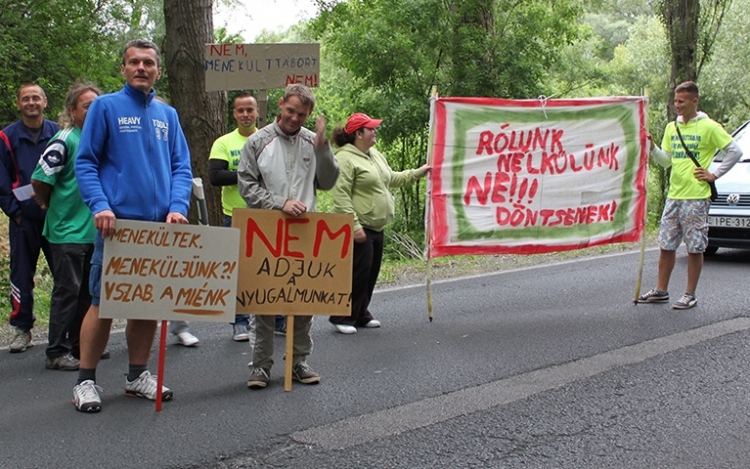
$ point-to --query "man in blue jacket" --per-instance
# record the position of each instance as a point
(133, 163)
(21, 144)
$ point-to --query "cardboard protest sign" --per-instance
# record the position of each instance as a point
(169, 271)
(294, 266)
(261, 66)
(532, 176)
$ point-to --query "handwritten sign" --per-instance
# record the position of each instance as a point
(261, 66)
(529, 176)
(168, 271)
(294, 266)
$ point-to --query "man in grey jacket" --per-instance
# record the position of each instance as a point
(280, 168)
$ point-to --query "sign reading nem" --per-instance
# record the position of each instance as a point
(530, 176)
(169, 271)
(294, 266)
(261, 66)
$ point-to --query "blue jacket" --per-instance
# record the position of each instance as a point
(17, 164)
(133, 158)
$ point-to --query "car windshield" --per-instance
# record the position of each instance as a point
(742, 137)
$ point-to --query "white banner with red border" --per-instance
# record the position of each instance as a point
(534, 176)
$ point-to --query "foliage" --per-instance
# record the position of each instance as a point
(506, 48)
(56, 42)
(692, 27)
(387, 67)
(724, 85)
(53, 43)
(376, 62)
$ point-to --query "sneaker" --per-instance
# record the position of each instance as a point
(86, 397)
(654, 296)
(65, 363)
(280, 329)
(304, 374)
(259, 378)
(372, 324)
(241, 333)
(686, 302)
(105, 355)
(187, 339)
(21, 340)
(145, 386)
(346, 329)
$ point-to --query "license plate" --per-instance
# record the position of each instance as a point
(729, 222)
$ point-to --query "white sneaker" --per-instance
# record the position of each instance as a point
(372, 324)
(187, 339)
(345, 329)
(241, 333)
(86, 397)
(145, 386)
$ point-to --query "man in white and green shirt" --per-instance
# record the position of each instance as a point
(69, 228)
(685, 213)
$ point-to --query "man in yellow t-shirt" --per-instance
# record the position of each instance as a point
(222, 172)
(685, 215)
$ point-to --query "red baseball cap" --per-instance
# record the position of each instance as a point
(358, 120)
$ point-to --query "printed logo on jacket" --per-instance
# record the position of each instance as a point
(162, 129)
(129, 124)
(133, 124)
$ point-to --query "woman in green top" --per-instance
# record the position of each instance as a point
(363, 189)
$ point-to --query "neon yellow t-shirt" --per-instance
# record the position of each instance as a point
(228, 148)
(703, 136)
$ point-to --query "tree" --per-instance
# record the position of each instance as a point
(692, 28)
(724, 86)
(506, 48)
(189, 26)
(54, 43)
(499, 48)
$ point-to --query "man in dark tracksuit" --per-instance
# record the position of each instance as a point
(20, 147)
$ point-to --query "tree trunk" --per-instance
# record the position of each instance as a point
(681, 19)
(189, 27)
(473, 47)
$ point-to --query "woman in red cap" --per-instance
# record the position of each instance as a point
(363, 189)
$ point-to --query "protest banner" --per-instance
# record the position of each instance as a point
(533, 176)
(261, 66)
(169, 271)
(294, 266)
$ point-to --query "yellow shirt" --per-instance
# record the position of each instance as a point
(228, 148)
(703, 137)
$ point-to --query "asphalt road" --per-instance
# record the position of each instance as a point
(543, 367)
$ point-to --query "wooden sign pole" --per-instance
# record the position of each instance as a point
(289, 362)
(262, 99)
(160, 365)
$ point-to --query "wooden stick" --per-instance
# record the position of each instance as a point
(428, 212)
(262, 100)
(288, 364)
(643, 252)
(160, 365)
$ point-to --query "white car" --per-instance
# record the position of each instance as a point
(729, 215)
